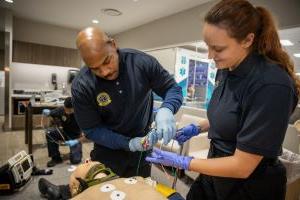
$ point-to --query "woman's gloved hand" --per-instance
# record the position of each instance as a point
(165, 125)
(169, 159)
(143, 143)
(71, 142)
(186, 133)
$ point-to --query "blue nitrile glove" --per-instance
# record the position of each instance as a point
(169, 159)
(46, 112)
(186, 133)
(165, 125)
(143, 143)
(71, 142)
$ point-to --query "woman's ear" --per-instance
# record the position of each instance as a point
(248, 41)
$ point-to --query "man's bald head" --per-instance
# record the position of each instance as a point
(99, 52)
(91, 37)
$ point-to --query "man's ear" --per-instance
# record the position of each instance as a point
(248, 41)
(113, 43)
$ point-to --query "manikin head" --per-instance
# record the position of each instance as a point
(81, 172)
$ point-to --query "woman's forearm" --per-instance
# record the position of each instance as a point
(240, 165)
(204, 125)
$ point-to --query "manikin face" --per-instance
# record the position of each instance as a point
(80, 172)
(104, 63)
(226, 51)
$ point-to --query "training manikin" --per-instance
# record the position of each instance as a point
(93, 180)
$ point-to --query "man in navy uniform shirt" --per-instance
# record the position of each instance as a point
(113, 102)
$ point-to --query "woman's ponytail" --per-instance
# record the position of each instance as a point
(268, 44)
(239, 18)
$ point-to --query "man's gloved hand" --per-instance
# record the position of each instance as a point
(165, 125)
(71, 142)
(46, 112)
(169, 159)
(186, 133)
(143, 143)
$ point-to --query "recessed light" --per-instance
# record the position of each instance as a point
(9, 1)
(111, 12)
(95, 21)
(297, 55)
(286, 43)
(135, 0)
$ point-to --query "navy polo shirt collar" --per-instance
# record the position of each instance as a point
(245, 66)
(121, 62)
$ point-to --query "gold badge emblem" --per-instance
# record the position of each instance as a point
(103, 99)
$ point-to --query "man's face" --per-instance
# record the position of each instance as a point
(104, 63)
(69, 111)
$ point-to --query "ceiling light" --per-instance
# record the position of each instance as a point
(95, 21)
(286, 43)
(111, 12)
(9, 1)
(135, 0)
(297, 55)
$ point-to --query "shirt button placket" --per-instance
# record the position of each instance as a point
(120, 91)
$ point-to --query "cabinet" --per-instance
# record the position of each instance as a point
(25, 52)
(18, 121)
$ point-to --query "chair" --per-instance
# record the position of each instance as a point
(292, 139)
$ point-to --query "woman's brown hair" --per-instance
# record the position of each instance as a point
(240, 18)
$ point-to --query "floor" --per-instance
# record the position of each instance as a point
(13, 141)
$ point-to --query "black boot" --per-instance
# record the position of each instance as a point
(49, 190)
(54, 161)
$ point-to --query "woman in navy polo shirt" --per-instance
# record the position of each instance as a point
(256, 92)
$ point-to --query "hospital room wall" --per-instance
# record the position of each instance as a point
(186, 27)
(41, 33)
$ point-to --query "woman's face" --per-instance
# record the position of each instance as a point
(226, 51)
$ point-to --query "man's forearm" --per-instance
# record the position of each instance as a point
(173, 98)
(107, 138)
(82, 138)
